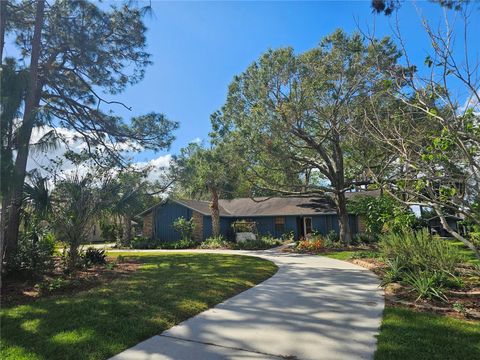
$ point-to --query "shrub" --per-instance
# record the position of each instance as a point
(141, 242)
(394, 272)
(34, 254)
(218, 242)
(421, 252)
(382, 214)
(288, 236)
(94, 256)
(316, 244)
(265, 242)
(180, 244)
(427, 285)
(364, 238)
(184, 227)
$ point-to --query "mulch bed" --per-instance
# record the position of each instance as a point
(400, 295)
(20, 290)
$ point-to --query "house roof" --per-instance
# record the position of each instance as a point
(270, 206)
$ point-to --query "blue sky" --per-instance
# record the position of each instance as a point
(197, 48)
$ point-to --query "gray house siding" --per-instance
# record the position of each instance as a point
(165, 215)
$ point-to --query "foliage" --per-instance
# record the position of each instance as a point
(424, 262)
(128, 309)
(217, 242)
(185, 228)
(79, 203)
(293, 117)
(418, 251)
(364, 238)
(141, 242)
(244, 226)
(206, 173)
(394, 272)
(264, 242)
(288, 236)
(109, 231)
(180, 244)
(382, 214)
(316, 244)
(93, 256)
(426, 285)
(34, 254)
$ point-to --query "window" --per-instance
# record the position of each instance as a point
(280, 224)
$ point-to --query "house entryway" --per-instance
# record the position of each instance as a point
(304, 227)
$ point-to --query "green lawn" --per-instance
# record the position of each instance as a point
(407, 334)
(466, 252)
(339, 255)
(98, 323)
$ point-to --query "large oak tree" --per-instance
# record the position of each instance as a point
(296, 115)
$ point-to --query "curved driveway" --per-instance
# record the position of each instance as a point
(313, 308)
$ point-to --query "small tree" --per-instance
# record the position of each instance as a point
(77, 203)
(184, 227)
(203, 173)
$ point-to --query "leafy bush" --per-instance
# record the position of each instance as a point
(141, 242)
(180, 244)
(313, 245)
(419, 251)
(34, 254)
(364, 238)
(94, 256)
(265, 242)
(218, 242)
(382, 214)
(288, 236)
(184, 227)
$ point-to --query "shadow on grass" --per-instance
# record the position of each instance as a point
(103, 321)
(407, 334)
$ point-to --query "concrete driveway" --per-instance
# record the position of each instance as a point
(312, 308)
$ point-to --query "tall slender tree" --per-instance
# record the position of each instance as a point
(79, 54)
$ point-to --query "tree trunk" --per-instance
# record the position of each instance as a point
(454, 233)
(127, 229)
(31, 105)
(3, 20)
(215, 213)
(343, 223)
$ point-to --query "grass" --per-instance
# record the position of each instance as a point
(351, 254)
(407, 334)
(465, 251)
(339, 255)
(101, 322)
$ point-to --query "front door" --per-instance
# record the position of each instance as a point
(307, 226)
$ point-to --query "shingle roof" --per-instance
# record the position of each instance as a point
(273, 206)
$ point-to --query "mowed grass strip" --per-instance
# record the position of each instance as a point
(101, 322)
(409, 334)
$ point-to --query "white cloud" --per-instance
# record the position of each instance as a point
(71, 141)
(197, 140)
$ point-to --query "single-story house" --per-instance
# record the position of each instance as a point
(274, 216)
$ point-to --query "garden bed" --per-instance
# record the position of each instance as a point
(21, 290)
